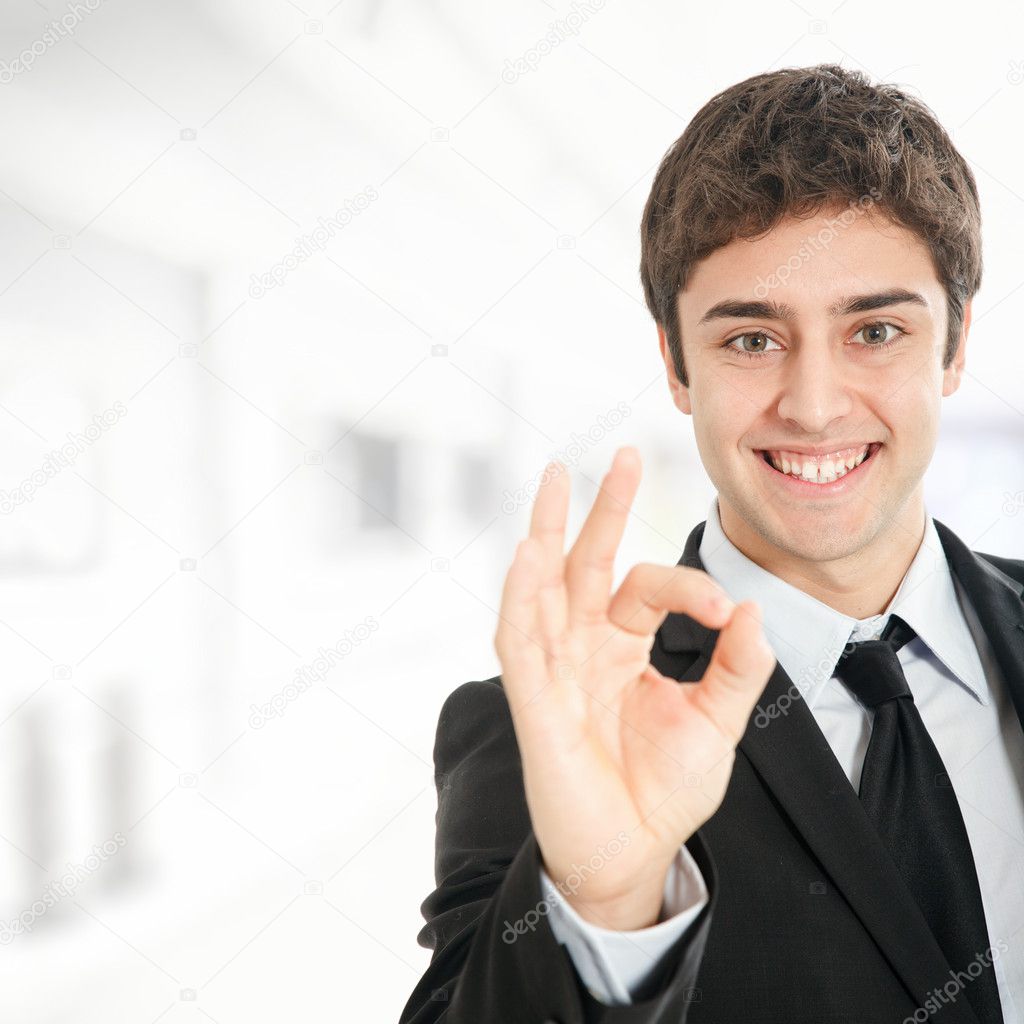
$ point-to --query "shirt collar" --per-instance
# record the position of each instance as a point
(808, 636)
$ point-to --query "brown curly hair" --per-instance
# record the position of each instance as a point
(796, 141)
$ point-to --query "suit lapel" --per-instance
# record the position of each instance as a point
(997, 599)
(791, 755)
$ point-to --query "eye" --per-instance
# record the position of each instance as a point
(759, 342)
(875, 335)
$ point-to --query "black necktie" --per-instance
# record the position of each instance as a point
(909, 798)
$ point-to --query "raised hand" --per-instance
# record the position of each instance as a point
(610, 747)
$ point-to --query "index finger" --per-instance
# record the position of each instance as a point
(649, 592)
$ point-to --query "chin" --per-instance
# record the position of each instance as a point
(806, 533)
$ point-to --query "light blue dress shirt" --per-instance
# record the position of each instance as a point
(963, 700)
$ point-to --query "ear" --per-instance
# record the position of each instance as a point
(680, 392)
(951, 374)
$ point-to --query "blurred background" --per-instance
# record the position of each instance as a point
(296, 301)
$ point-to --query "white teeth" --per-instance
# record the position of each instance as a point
(825, 471)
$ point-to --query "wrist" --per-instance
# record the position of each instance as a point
(638, 907)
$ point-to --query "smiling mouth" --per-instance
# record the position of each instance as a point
(819, 469)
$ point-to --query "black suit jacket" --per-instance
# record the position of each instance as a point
(807, 920)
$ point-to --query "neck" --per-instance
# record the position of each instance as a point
(859, 584)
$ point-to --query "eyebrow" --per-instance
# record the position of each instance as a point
(729, 309)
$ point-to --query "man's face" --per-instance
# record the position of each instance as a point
(816, 386)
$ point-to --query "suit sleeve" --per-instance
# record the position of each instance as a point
(494, 955)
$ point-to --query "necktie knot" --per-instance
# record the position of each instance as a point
(871, 669)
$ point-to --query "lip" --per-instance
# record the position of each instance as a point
(805, 489)
(819, 449)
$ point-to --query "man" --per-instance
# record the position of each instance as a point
(621, 836)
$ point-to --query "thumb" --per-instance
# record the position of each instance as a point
(740, 668)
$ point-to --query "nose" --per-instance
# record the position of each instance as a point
(814, 392)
